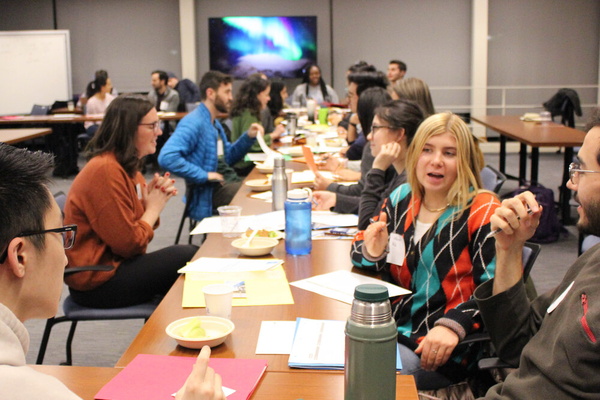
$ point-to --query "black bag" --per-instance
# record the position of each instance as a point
(550, 227)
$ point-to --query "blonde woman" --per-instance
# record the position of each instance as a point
(416, 90)
(430, 238)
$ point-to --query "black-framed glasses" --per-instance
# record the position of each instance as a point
(575, 170)
(374, 128)
(68, 233)
(153, 125)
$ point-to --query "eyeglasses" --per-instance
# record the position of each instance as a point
(575, 171)
(376, 127)
(68, 233)
(154, 125)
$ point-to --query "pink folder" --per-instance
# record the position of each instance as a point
(157, 377)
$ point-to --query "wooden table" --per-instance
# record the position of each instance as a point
(12, 136)
(536, 135)
(311, 385)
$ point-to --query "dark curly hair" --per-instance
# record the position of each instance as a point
(276, 103)
(247, 96)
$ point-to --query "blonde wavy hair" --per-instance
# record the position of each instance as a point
(469, 158)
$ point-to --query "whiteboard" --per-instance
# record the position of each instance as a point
(35, 67)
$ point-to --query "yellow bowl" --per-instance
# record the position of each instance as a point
(259, 246)
(217, 329)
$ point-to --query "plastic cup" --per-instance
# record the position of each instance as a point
(230, 216)
(288, 174)
(323, 114)
(70, 106)
(218, 298)
(311, 139)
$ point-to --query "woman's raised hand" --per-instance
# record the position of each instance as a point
(376, 236)
(387, 155)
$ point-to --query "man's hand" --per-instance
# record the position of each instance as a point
(514, 219)
(202, 383)
(388, 154)
(325, 200)
(255, 129)
(215, 177)
(436, 347)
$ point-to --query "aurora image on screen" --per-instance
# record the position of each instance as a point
(276, 46)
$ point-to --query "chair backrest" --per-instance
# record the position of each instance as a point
(492, 179)
(39, 110)
(530, 254)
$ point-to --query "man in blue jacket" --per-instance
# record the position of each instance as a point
(191, 151)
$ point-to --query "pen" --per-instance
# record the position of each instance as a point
(497, 231)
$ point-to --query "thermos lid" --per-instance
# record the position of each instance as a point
(371, 292)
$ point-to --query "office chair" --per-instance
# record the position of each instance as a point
(39, 110)
(492, 179)
(74, 312)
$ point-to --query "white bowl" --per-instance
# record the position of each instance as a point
(258, 185)
(265, 169)
(278, 235)
(217, 329)
(259, 246)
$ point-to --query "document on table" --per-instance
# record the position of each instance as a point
(320, 344)
(328, 219)
(151, 377)
(271, 221)
(214, 264)
(263, 288)
(340, 285)
(276, 337)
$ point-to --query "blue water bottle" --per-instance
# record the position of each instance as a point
(298, 224)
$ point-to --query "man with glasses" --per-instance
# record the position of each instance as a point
(554, 339)
(32, 262)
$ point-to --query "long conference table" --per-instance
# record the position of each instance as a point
(535, 135)
(12, 136)
(326, 256)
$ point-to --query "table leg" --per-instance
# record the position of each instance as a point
(503, 154)
(523, 164)
(535, 162)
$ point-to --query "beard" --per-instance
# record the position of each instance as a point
(221, 106)
(591, 223)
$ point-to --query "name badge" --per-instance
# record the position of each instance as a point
(138, 189)
(164, 105)
(559, 299)
(397, 249)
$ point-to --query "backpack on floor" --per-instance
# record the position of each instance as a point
(550, 227)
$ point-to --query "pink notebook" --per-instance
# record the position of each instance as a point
(156, 377)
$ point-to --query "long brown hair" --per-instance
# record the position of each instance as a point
(118, 130)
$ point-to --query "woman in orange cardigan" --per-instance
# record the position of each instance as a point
(116, 212)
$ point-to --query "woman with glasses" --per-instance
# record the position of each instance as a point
(430, 238)
(116, 212)
(389, 122)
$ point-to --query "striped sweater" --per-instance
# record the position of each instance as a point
(442, 270)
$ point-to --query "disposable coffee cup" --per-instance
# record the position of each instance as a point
(70, 106)
(218, 298)
(230, 216)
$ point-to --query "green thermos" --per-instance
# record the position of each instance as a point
(371, 337)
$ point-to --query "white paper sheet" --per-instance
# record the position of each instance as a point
(340, 285)
(271, 221)
(210, 264)
(275, 337)
(318, 344)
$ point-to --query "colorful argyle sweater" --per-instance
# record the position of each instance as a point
(442, 270)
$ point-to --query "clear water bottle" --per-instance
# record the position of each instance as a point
(279, 183)
(371, 335)
(298, 224)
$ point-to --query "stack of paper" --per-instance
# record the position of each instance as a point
(320, 344)
(156, 377)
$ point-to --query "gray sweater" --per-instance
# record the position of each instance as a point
(557, 351)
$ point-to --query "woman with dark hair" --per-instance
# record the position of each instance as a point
(313, 87)
(273, 114)
(116, 212)
(248, 104)
(98, 101)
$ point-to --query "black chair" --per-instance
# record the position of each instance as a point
(40, 110)
(492, 179)
(74, 312)
(189, 193)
